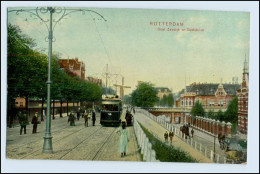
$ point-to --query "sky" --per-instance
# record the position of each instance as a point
(138, 51)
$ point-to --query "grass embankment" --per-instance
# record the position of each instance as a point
(166, 153)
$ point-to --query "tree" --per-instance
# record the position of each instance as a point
(197, 110)
(231, 114)
(220, 115)
(170, 100)
(164, 100)
(211, 114)
(145, 95)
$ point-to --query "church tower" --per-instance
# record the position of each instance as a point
(242, 94)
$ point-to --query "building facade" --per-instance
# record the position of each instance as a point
(94, 80)
(73, 67)
(212, 96)
(163, 91)
(242, 94)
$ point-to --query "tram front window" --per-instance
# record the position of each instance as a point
(110, 107)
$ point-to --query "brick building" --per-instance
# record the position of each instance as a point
(212, 96)
(73, 67)
(242, 94)
(94, 80)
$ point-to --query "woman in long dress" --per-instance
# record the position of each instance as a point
(124, 139)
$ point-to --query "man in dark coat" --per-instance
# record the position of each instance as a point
(166, 136)
(93, 117)
(171, 136)
(71, 119)
(192, 132)
(35, 122)
(23, 120)
(78, 115)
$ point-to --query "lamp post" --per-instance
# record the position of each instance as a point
(38, 12)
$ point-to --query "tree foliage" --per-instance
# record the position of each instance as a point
(232, 111)
(27, 72)
(197, 110)
(144, 95)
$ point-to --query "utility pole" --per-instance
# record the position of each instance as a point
(106, 78)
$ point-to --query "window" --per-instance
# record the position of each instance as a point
(16, 103)
(220, 103)
(190, 103)
(21, 103)
(211, 103)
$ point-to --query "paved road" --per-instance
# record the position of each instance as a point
(159, 131)
(70, 142)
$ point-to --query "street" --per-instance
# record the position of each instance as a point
(70, 142)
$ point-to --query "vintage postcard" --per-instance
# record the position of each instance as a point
(114, 84)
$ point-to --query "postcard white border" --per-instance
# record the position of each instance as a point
(109, 167)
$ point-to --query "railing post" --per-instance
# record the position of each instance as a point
(206, 151)
(200, 148)
(217, 158)
(211, 155)
(153, 157)
(225, 160)
(146, 148)
(149, 151)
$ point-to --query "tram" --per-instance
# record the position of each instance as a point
(111, 109)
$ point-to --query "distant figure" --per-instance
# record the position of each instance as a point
(86, 118)
(171, 134)
(78, 115)
(134, 110)
(124, 139)
(23, 122)
(71, 119)
(35, 122)
(93, 118)
(192, 132)
(166, 137)
(128, 118)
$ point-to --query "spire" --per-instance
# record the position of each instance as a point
(245, 70)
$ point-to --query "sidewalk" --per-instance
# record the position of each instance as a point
(159, 131)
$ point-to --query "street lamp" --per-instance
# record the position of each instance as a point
(38, 12)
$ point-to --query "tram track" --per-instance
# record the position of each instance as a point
(62, 138)
(39, 138)
(106, 142)
(94, 132)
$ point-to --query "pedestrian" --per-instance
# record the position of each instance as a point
(23, 122)
(166, 136)
(71, 119)
(93, 117)
(78, 115)
(124, 139)
(171, 134)
(86, 118)
(192, 132)
(35, 122)
(134, 110)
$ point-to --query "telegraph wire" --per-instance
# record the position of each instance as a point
(101, 39)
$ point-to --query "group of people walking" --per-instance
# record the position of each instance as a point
(23, 121)
(170, 135)
(86, 115)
